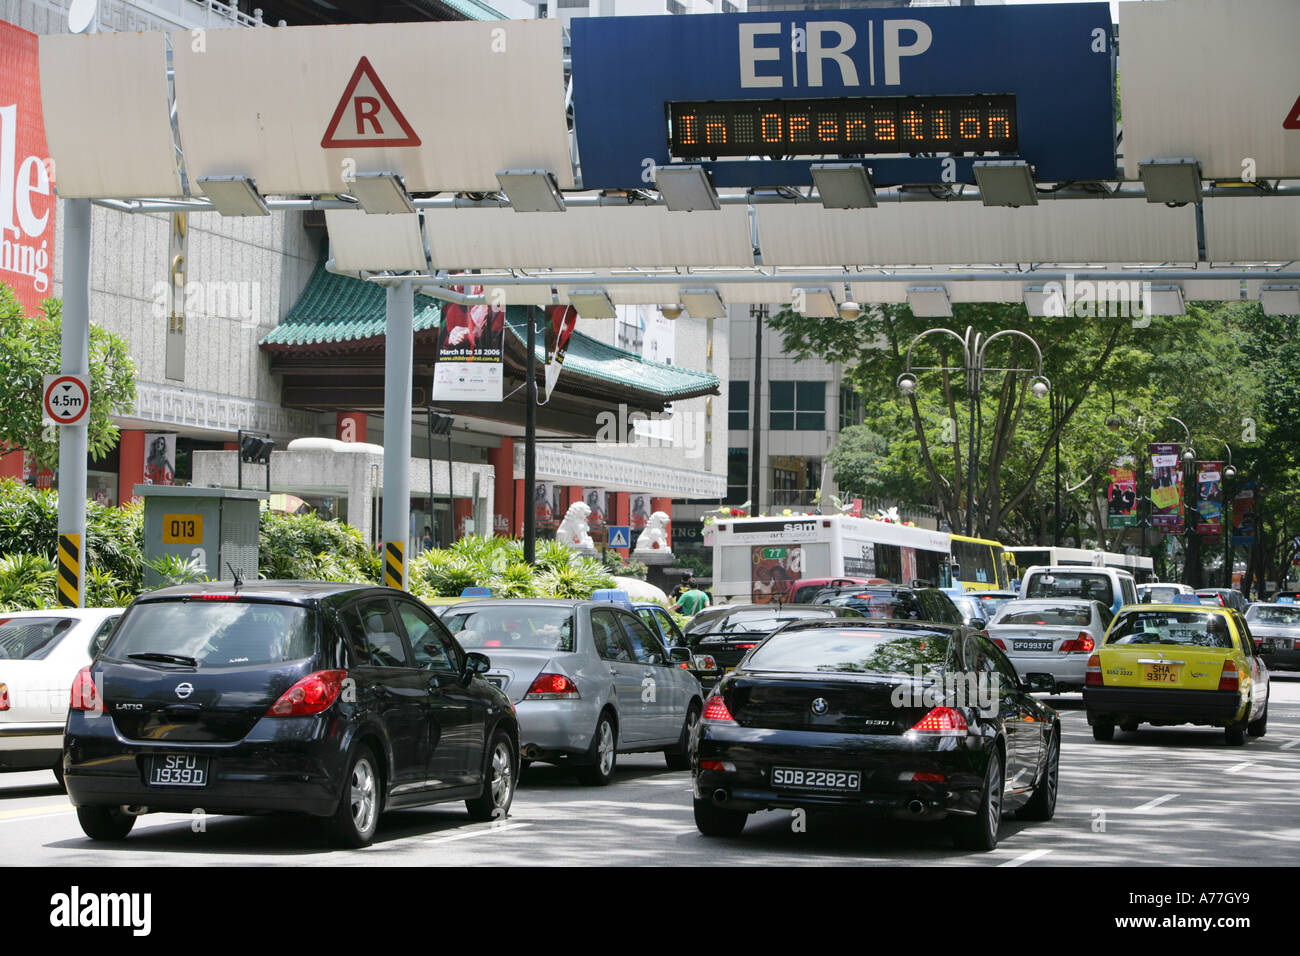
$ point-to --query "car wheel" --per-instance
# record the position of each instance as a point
(1129, 726)
(63, 787)
(1259, 726)
(1042, 805)
(1235, 734)
(357, 817)
(980, 832)
(715, 821)
(603, 754)
(679, 758)
(499, 785)
(1103, 730)
(105, 823)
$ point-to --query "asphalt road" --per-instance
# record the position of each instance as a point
(1175, 796)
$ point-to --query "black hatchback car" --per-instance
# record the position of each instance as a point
(729, 633)
(334, 700)
(892, 718)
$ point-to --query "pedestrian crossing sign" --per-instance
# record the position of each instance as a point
(620, 536)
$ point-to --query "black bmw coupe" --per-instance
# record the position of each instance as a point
(896, 718)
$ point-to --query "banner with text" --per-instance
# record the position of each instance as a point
(1209, 497)
(470, 344)
(1122, 495)
(1167, 487)
(1243, 516)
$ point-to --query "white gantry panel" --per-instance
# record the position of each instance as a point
(1211, 81)
(360, 241)
(106, 123)
(1253, 228)
(590, 237)
(445, 105)
(935, 233)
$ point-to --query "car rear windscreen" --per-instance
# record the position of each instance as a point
(217, 633)
(1080, 585)
(30, 638)
(831, 650)
(1162, 595)
(1263, 614)
(1048, 616)
(528, 628)
(1181, 628)
(901, 607)
(764, 622)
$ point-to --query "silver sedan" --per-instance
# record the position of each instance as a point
(588, 680)
(1276, 630)
(1051, 636)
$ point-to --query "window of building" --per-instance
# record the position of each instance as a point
(797, 406)
(737, 476)
(728, 7)
(570, 4)
(738, 406)
(675, 7)
(850, 407)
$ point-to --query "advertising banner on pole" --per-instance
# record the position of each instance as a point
(1122, 494)
(26, 173)
(560, 320)
(1167, 487)
(470, 343)
(597, 500)
(160, 459)
(1209, 497)
(544, 504)
(1243, 516)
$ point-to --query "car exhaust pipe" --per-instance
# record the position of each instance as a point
(916, 808)
(720, 797)
(134, 810)
(531, 751)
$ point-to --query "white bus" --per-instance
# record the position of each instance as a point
(1142, 568)
(759, 559)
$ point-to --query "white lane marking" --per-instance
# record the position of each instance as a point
(474, 833)
(1293, 742)
(1152, 804)
(1026, 857)
(50, 810)
(1238, 768)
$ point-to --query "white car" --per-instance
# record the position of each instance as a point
(40, 655)
(1051, 636)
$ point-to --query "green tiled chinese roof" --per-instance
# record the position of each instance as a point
(472, 9)
(338, 313)
(335, 309)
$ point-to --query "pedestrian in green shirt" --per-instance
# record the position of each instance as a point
(691, 602)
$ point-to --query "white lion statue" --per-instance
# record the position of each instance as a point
(654, 539)
(574, 530)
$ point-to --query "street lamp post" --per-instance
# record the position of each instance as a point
(974, 346)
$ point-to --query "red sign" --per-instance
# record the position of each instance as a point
(26, 183)
(366, 115)
(1292, 120)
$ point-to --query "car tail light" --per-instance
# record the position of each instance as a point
(552, 687)
(311, 695)
(1092, 673)
(998, 642)
(214, 597)
(1228, 680)
(744, 647)
(1082, 644)
(718, 765)
(85, 696)
(716, 710)
(943, 722)
(4, 696)
(922, 776)
(707, 662)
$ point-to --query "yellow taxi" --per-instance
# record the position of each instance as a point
(1167, 664)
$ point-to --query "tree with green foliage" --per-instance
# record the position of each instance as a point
(31, 348)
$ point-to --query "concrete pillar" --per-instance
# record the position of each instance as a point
(502, 507)
(130, 463)
(74, 439)
(399, 350)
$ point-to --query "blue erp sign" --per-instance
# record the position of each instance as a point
(918, 93)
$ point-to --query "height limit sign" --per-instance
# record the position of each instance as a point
(67, 398)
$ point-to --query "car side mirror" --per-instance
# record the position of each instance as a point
(679, 655)
(476, 663)
(1036, 683)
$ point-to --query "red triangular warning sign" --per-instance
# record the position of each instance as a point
(367, 116)
(1292, 120)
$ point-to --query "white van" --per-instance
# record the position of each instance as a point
(1109, 586)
